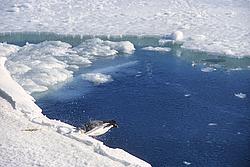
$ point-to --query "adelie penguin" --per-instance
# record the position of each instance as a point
(97, 127)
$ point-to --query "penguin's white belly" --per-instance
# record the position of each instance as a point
(98, 131)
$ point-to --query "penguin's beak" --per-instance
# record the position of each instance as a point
(115, 125)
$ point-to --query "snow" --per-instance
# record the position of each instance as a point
(97, 78)
(96, 47)
(36, 67)
(240, 95)
(219, 26)
(7, 49)
(177, 36)
(157, 49)
(29, 138)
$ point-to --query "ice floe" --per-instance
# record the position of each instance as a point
(187, 95)
(97, 78)
(36, 67)
(96, 47)
(212, 124)
(240, 95)
(157, 49)
(187, 163)
(208, 69)
(177, 36)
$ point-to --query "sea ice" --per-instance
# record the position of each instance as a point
(42, 63)
(96, 47)
(39, 66)
(186, 163)
(236, 69)
(97, 78)
(177, 36)
(240, 95)
(212, 124)
(158, 49)
(7, 49)
(208, 69)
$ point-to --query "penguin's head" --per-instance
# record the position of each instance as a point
(111, 123)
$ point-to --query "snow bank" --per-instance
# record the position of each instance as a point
(97, 78)
(15, 94)
(220, 26)
(27, 135)
(36, 67)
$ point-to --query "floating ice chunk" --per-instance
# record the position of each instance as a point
(98, 48)
(97, 78)
(174, 37)
(194, 63)
(236, 69)
(95, 47)
(240, 95)
(7, 49)
(177, 36)
(212, 124)
(121, 47)
(165, 41)
(187, 95)
(186, 163)
(38, 66)
(158, 49)
(208, 69)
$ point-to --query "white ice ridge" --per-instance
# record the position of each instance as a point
(220, 26)
(28, 138)
(36, 67)
(97, 78)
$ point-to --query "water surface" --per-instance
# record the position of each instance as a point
(169, 113)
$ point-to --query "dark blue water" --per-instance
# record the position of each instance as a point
(157, 122)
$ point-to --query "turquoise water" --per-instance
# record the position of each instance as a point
(169, 112)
